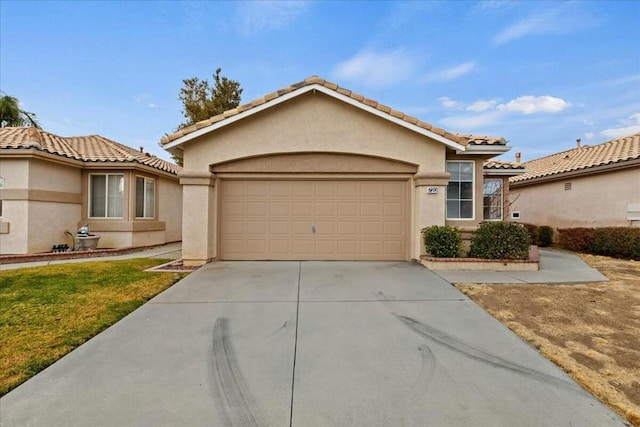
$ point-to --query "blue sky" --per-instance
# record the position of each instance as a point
(539, 74)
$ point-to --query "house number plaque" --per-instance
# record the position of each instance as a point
(432, 190)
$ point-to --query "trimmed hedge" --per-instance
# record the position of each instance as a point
(545, 236)
(579, 239)
(442, 241)
(532, 229)
(500, 240)
(618, 242)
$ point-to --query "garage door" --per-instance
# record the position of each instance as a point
(314, 220)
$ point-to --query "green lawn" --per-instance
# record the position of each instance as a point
(45, 312)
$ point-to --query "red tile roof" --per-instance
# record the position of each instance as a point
(93, 148)
(619, 150)
(460, 139)
(503, 165)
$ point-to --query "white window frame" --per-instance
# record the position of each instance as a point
(106, 203)
(473, 193)
(144, 201)
(501, 199)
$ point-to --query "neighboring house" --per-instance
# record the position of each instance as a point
(588, 186)
(496, 191)
(51, 184)
(315, 171)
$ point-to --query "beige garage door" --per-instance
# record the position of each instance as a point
(319, 220)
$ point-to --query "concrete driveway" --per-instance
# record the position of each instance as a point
(305, 344)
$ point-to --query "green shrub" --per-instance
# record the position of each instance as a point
(579, 239)
(532, 229)
(618, 242)
(545, 236)
(500, 240)
(442, 242)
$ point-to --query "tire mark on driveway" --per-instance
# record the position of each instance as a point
(446, 340)
(238, 405)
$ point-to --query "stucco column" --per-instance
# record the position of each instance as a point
(198, 217)
(430, 200)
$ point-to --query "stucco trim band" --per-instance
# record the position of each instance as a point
(198, 178)
(314, 162)
(133, 226)
(437, 179)
(314, 177)
(41, 196)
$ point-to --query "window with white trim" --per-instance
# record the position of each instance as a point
(145, 197)
(460, 189)
(492, 199)
(106, 195)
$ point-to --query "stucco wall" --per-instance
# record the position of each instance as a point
(14, 220)
(50, 176)
(314, 122)
(170, 208)
(593, 201)
(48, 222)
(40, 201)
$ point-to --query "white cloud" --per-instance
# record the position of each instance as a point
(376, 68)
(447, 102)
(144, 99)
(629, 127)
(452, 73)
(255, 16)
(472, 121)
(535, 104)
(623, 80)
(589, 135)
(482, 105)
(494, 5)
(561, 18)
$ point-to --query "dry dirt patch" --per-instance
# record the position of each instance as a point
(592, 331)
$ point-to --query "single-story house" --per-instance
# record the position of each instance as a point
(587, 186)
(317, 172)
(51, 184)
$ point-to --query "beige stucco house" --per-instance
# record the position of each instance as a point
(315, 171)
(51, 184)
(587, 186)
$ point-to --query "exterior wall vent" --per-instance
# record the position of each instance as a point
(567, 186)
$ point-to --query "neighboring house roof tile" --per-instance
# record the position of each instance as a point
(92, 148)
(582, 158)
(503, 165)
(461, 139)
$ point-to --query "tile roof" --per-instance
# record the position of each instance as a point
(503, 165)
(588, 156)
(460, 139)
(482, 140)
(93, 148)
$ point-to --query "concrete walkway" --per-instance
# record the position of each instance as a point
(169, 251)
(305, 344)
(555, 267)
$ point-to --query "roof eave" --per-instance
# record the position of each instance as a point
(578, 172)
(503, 172)
(302, 90)
(485, 149)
